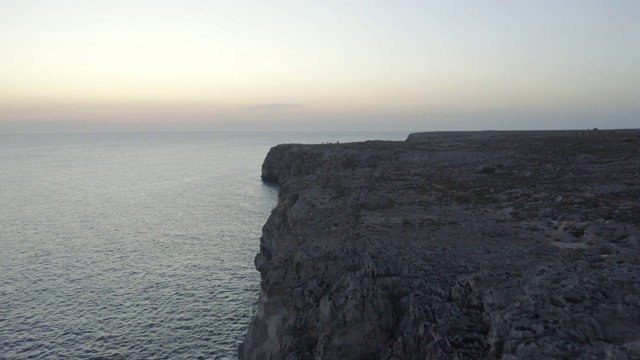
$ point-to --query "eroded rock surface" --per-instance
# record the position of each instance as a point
(481, 245)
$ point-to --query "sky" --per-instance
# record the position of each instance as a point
(137, 65)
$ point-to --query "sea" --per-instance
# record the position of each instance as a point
(134, 245)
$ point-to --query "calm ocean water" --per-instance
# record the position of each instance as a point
(133, 245)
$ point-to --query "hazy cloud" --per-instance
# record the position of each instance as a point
(275, 106)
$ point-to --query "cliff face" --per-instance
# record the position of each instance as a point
(512, 245)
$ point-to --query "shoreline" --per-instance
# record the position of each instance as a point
(492, 244)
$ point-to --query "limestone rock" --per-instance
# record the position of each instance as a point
(411, 250)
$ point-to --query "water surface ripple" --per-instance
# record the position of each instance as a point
(133, 245)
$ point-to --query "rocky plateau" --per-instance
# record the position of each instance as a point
(452, 245)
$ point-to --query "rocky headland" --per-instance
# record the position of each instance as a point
(453, 245)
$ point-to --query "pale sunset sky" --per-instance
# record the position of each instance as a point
(159, 65)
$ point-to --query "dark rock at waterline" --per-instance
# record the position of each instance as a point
(396, 250)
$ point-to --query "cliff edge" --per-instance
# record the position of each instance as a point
(452, 245)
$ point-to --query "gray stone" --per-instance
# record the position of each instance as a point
(395, 250)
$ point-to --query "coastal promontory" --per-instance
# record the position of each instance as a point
(452, 245)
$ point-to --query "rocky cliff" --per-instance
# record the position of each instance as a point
(481, 245)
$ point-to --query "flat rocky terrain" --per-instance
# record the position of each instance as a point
(453, 245)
